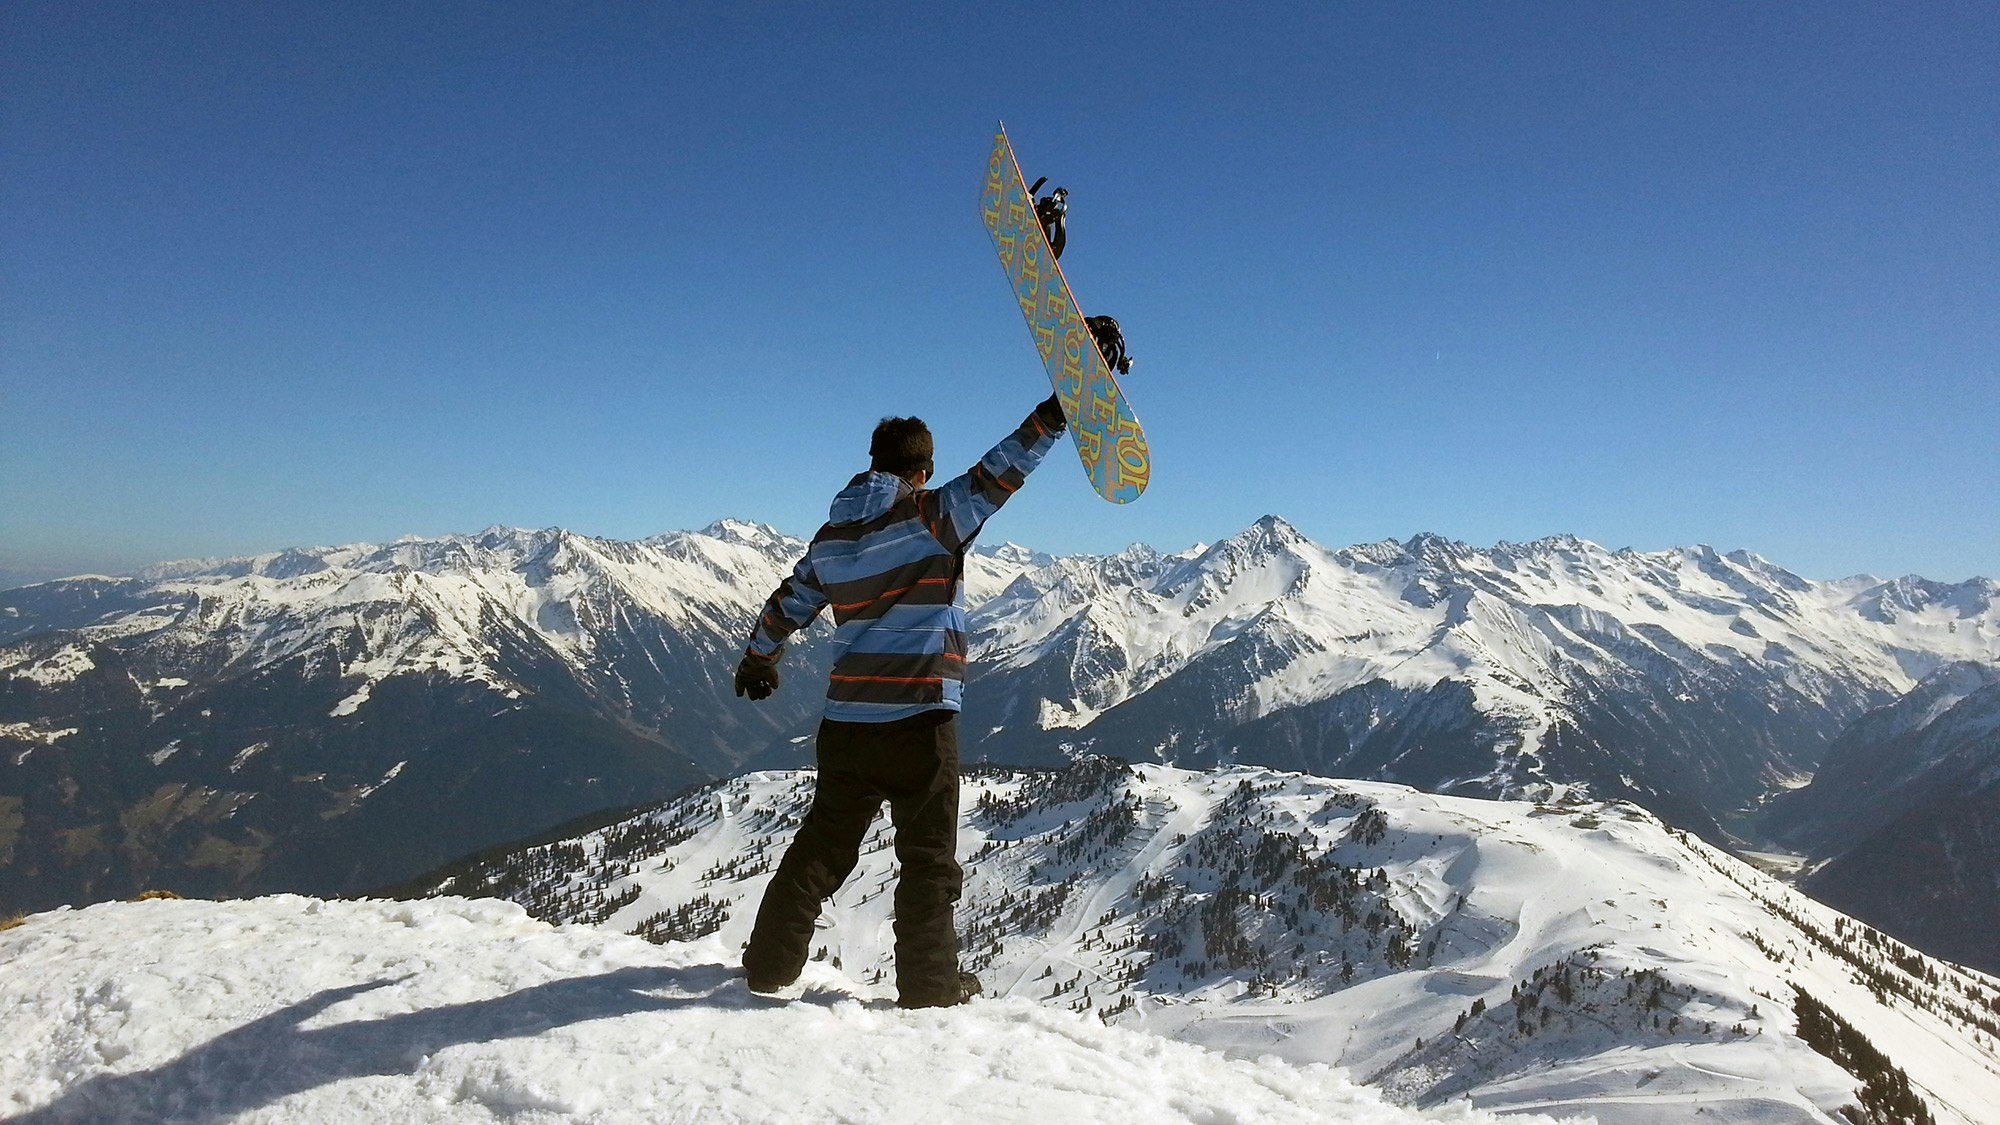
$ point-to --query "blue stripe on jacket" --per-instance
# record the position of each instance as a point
(888, 562)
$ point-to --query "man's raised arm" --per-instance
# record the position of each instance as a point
(956, 511)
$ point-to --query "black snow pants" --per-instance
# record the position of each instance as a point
(912, 764)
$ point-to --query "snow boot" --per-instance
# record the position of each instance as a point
(968, 987)
(765, 986)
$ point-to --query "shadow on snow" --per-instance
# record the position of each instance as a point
(274, 1057)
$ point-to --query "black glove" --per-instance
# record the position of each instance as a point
(755, 678)
(1050, 413)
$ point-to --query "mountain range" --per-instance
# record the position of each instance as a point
(328, 719)
(1690, 681)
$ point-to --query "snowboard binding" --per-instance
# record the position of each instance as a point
(1050, 211)
(1110, 343)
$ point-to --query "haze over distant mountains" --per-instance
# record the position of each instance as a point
(327, 719)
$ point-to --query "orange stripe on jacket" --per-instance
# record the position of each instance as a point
(888, 679)
(892, 593)
(988, 474)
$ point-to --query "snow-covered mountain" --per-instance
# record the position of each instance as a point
(638, 631)
(1574, 957)
(1941, 739)
(328, 719)
(1907, 808)
(1690, 681)
(627, 629)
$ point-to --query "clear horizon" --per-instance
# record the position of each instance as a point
(1693, 273)
(6, 582)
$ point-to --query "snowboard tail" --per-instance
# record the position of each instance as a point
(1108, 438)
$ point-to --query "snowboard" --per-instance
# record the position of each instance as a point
(1109, 441)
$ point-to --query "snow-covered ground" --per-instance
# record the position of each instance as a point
(293, 1009)
(1576, 958)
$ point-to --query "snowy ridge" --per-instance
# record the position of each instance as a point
(334, 718)
(292, 1009)
(1515, 620)
(438, 604)
(460, 605)
(1518, 670)
(1572, 958)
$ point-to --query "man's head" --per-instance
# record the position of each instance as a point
(901, 446)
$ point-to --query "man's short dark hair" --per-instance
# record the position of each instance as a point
(900, 446)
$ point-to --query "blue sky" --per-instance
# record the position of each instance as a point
(1650, 274)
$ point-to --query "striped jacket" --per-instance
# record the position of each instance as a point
(889, 562)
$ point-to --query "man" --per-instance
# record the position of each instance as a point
(890, 561)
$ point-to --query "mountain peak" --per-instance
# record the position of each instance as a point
(1014, 554)
(747, 532)
(1429, 546)
(1268, 536)
(1563, 541)
(1273, 532)
(1381, 553)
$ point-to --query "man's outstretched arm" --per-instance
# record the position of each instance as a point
(791, 607)
(956, 511)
